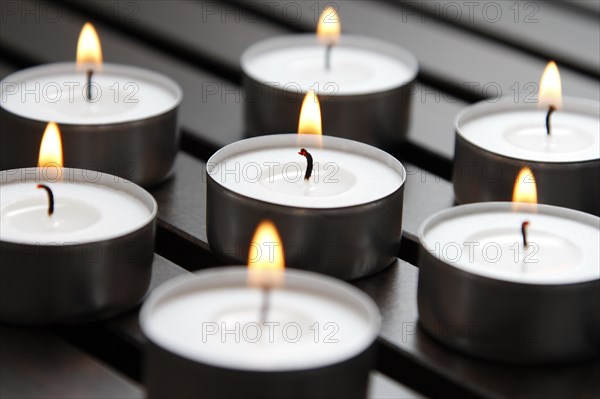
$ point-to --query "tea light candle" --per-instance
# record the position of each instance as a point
(495, 140)
(128, 127)
(319, 331)
(346, 220)
(91, 259)
(482, 292)
(79, 249)
(364, 84)
(339, 209)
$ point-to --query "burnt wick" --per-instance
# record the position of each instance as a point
(90, 73)
(309, 163)
(524, 227)
(50, 198)
(328, 49)
(551, 110)
(266, 304)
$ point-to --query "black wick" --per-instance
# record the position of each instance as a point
(524, 226)
(264, 309)
(90, 72)
(551, 109)
(50, 198)
(328, 56)
(309, 163)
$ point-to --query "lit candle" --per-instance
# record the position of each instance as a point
(558, 139)
(210, 335)
(364, 84)
(344, 220)
(87, 237)
(512, 281)
(116, 119)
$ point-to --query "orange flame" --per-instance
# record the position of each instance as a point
(525, 188)
(266, 262)
(328, 28)
(310, 115)
(550, 87)
(89, 50)
(51, 148)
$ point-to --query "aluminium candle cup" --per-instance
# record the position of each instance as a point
(346, 242)
(176, 367)
(378, 117)
(74, 282)
(482, 175)
(139, 149)
(507, 321)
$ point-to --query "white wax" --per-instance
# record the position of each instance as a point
(486, 239)
(182, 315)
(269, 169)
(57, 92)
(358, 65)
(83, 212)
(519, 131)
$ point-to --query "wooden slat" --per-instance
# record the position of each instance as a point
(446, 54)
(435, 370)
(208, 28)
(544, 28)
(182, 200)
(37, 364)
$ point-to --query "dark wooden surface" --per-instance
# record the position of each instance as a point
(198, 43)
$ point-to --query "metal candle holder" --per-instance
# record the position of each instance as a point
(502, 320)
(51, 283)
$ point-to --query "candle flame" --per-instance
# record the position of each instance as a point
(525, 188)
(51, 148)
(328, 28)
(266, 262)
(550, 87)
(89, 50)
(310, 115)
